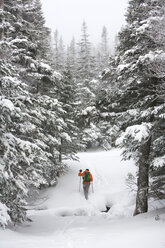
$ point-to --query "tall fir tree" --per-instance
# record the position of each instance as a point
(84, 54)
(134, 99)
(71, 58)
(59, 52)
(104, 50)
(56, 50)
(85, 71)
(31, 121)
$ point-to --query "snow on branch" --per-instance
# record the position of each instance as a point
(122, 67)
(159, 161)
(7, 104)
(45, 67)
(57, 75)
(88, 110)
(66, 137)
(136, 133)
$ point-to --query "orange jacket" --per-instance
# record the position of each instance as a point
(82, 174)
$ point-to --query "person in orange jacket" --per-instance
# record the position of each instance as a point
(87, 179)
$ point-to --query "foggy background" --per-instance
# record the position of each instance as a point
(68, 15)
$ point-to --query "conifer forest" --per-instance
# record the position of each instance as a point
(58, 100)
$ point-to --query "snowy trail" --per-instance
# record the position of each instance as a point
(64, 219)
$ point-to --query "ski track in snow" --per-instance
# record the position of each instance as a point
(62, 218)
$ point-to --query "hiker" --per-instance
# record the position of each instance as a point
(87, 178)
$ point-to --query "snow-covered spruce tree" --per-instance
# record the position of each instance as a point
(13, 150)
(31, 39)
(131, 95)
(103, 51)
(17, 152)
(31, 124)
(4, 216)
(32, 47)
(83, 73)
(56, 50)
(59, 53)
(51, 83)
(69, 136)
(85, 70)
(108, 112)
(84, 54)
(71, 58)
(140, 78)
(89, 133)
(46, 82)
(157, 67)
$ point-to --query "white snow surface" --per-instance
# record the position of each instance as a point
(62, 218)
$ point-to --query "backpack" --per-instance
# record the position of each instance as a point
(86, 177)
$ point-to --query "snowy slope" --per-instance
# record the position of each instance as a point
(62, 218)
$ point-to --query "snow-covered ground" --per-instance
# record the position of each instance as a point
(62, 218)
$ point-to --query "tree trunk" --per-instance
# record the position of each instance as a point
(60, 152)
(143, 180)
(1, 27)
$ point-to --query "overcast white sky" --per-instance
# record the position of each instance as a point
(67, 16)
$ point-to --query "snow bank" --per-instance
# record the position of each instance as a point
(62, 218)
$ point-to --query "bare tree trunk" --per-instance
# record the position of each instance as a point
(1, 27)
(143, 180)
(60, 152)
(60, 156)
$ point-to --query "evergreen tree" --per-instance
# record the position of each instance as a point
(59, 52)
(107, 105)
(12, 156)
(84, 54)
(71, 58)
(139, 85)
(31, 123)
(40, 33)
(61, 55)
(56, 50)
(86, 70)
(132, 100)
(69, 135)
(104, 50)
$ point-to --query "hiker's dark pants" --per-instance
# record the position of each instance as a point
(86, 190)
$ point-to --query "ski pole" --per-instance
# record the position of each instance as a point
(80, 185)
(92, 188)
